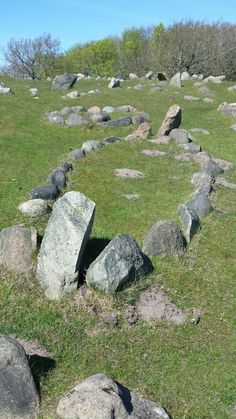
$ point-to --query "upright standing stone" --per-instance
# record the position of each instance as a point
(63, 244)
(172, 120)
(175, 81)
(189, 221)
(19, 397)
(163, 239)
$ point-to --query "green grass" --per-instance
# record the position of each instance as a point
(189, 369)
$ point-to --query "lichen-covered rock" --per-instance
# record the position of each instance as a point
(163, 239)
(34, 207)
(99, 397)
(120, 263)
(189, 220)
(63, 244)
(172, 120)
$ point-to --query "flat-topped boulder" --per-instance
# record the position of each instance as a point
(180, 135)
(119, 264)
(63, 244)
(91, 145)
(124, 121)
(64, 81)
(129, 173)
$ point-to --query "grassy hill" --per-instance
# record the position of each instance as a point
(189, 369)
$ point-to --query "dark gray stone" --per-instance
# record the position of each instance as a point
(164, 238)
(77, 120)
(120, 263)
(200, 204)
(64, 82)
(190, 222)
(140, 117)
(19, 397)
(76, 154)
(58, 177)
(114, 83)
(99, 397)
(120, 122)
(45, 192)
(111, 139)
(212, 168)
(66, 166)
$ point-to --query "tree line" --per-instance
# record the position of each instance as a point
(195, 47)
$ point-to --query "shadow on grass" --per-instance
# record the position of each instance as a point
(40, 366)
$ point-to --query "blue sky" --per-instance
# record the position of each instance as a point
(75, 21)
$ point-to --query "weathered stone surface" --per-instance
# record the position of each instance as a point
(131, 137)
(175, 81)
(120, 263)
(76, 154)
(228, 109)
(154, 306)
(17, 245)
(191, 98)
(34, 207)
(63, 244)
(66, 166)
(185, 76)
(223, 182)
(184, 156)
(200, 130)
(164, 238)
(114, 83)
(190, 221)
(126, 108)
(94, 109)
(91, 145)
(180, 135)
(65, 111)
(55, 118)
(133, 76)
(154, 153)
(149, 75)
(164, 139)
(108, 109)
(200, 177)
(58, 177)
(100, 117)
(78, 109)
(205, 90)
(77, 120)
(200, 204)
(212, 168)
(129, 173)
(214, 79)
(201, 158)
(140, 117)
(191, 148)
(99, 397)
(143, 131)
(72, 95)
(19, 397)
(64, 81)
(119, 122)
(132, 196)
(224, 164)
(172, 120)
(47, 192)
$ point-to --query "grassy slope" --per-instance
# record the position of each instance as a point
(189, 369)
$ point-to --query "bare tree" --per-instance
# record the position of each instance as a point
(32, 58)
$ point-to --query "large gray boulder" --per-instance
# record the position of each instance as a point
(200, 204)
(175, 81)
(17, 245)
(76, 154)
(58, 177)
(99, 397)
(121, 262)
(212, 168)
(172, 120)
(46, 192)
(180, 135)
(63, 244)
(19, 397)
(91, 145)
(64, 81)
(185, 76)
(163, 239)
(77, 120)
(190, 221)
